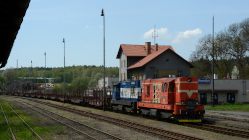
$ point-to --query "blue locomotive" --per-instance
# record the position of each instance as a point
(125, 95)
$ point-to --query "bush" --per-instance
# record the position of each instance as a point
(225, 103)
(238, 103)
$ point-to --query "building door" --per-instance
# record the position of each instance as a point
(203, 98)
(230, 98)
(215, 98)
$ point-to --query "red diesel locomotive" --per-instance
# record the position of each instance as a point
(175, 98)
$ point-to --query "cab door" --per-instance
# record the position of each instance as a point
(171, 90)
(164, 93)
(156, 94)
(146, 93)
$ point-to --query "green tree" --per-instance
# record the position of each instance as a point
(62, 85)
(2, 82)
(81, 83)
(57, 89)
(93, 82)
(9, 74)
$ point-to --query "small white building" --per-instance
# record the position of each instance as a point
(109, 82)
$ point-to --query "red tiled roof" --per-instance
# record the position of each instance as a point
(147, 59)
(151, 56)
(139, 50)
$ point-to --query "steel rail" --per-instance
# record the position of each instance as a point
(102, 132)
(216, 129)
(221, 130)
(34, 133)
(139, 127)
(12, 135)
(63, 123)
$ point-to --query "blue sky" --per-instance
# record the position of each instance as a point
(179, 24)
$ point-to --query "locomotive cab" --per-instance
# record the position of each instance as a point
(187, 107)
(175, 98)
(116, 92)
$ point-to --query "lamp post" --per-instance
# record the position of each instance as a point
(64, 71)
(102, 14)
(21, 86)
(32, 77)
(45, 73)
(213, 65)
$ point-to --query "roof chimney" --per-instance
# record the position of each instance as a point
(156, 46)
(148, 48)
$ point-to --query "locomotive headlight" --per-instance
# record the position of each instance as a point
(182, 101)
(197, 101)
(189, 80)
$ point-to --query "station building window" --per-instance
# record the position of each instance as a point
(123, 63)
(179, 74)
(155, 74)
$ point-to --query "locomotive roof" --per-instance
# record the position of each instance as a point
(163, 80)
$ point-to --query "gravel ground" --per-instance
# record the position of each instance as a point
(128, 133)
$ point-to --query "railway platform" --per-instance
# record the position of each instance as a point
(237, 119)
(229, 115)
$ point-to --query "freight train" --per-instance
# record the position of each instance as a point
(173, 98)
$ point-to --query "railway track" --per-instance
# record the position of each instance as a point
(158, 132)
(12, 134)
(212, 128)
(221, 130)
(89, 132)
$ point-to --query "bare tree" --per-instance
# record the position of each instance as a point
(231, 47)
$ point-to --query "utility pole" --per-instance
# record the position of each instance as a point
(64, 71)
(21, 86)
(213, 65)
(45, 73)
(102, 14)
(31, 77)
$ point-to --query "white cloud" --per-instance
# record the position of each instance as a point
(87, 26)
(162, 33)
(187, 35)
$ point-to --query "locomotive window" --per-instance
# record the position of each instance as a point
(154, 88)
(162, 87)
(171, 87)
(148, 89)
(165, 87)
(132, 91)
(117, 89)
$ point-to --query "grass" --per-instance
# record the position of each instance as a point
(21, 131)
(229, 107)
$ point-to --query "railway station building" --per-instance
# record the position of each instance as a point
(225, 90)
(140, 62)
